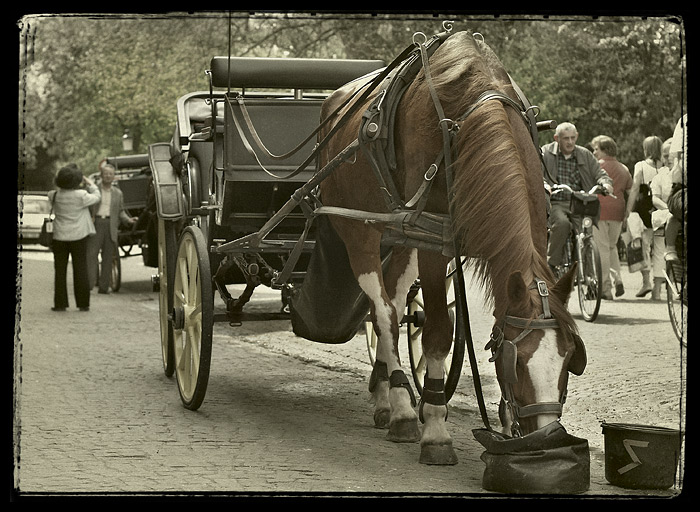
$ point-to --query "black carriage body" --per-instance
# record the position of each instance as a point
(133, 176)
(208, 170)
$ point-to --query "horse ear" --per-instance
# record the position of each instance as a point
(578, 360)
(517, 289)
(565, 285)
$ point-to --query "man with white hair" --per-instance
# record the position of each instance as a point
(108, 214)
(569, 164)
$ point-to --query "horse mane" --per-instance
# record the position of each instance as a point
(490, 202)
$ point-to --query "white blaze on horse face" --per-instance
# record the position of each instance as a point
(373, 289)
(545, 367)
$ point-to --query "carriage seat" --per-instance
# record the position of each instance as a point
(288, 73)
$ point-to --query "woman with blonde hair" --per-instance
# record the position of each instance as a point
(644, 172)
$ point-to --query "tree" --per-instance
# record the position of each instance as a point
(85, 79)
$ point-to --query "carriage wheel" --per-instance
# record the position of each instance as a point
(590, 281)
(193, 317)
(677, 301)
(453, 362)
(116, 277)
(166, 272)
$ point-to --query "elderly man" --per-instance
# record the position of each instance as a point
(572, 165)
(107, 214)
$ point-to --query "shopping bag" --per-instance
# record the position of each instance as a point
(46, 235)
(635, 253)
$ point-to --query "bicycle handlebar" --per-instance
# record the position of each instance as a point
(597, 189)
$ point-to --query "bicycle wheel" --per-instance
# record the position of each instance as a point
(590, 281)
(677, 300)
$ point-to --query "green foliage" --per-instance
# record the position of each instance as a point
(85, 79)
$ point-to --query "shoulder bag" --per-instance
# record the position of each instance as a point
(644, 206)
(46, 235)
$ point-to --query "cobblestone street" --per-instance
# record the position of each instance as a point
(284, 415)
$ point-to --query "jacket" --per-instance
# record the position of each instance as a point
(591, 172)
(72, 215)
(117, 215)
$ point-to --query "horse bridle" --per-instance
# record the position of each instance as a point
(506, 352)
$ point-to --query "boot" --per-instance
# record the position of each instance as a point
(656, 292)
(646, 284)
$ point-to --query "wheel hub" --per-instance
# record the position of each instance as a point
(178, 318)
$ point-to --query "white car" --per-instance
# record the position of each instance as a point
(32, 209)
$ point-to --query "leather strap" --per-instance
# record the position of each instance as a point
(433, 394)
(398, 379)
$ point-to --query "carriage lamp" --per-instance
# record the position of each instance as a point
(127, 141)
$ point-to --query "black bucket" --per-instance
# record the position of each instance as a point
(547, 461)
(641, 456)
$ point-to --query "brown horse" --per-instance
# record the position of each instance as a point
(499, 218)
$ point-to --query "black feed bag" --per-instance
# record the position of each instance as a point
(547, 461)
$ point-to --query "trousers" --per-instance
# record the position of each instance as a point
(101, 242)
(77, 251)
(559, 230)
(606, 236)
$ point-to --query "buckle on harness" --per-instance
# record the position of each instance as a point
(542, 288)
(431, 172)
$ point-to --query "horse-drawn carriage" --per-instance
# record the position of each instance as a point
(373, 196)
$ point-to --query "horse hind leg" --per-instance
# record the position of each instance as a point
(391, 390)
(436, 443)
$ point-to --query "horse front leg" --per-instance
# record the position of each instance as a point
(436, 443)
(392, 393)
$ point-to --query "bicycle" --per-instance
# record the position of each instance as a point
(676, 275)
(581, 248)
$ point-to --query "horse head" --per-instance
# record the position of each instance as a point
(535, 346)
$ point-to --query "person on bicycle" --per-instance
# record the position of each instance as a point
(569, 164)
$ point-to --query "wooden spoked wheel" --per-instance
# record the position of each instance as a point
(115, 280)
(192, 317)
(166, 270)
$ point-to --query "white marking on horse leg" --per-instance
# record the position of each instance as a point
(404, 283)
(545, 367)
(399, 398)
(382, 311)
(436, 442)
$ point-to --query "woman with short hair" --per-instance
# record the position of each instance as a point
(72, 226)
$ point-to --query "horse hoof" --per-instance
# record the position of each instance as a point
(438, 454)
(381, 418)
(404, 431)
